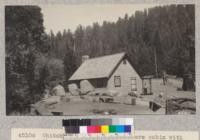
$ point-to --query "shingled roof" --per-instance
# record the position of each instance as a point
(98, 67)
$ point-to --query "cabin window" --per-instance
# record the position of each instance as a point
(101, 83)
(117, 81)
(133, 84)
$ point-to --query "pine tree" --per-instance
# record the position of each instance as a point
(70, 63)
(24, 39)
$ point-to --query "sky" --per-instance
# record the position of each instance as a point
(60, 17)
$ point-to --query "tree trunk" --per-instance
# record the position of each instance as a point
(156, 66)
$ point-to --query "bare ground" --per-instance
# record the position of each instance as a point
(84, 107)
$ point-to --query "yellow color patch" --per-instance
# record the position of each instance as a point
(104, 129)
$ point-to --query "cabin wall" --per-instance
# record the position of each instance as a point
(126, 72)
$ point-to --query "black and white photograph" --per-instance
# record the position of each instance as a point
(100, 59)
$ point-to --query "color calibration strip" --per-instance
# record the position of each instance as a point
(98, 127)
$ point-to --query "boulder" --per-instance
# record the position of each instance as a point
(52, 100)
(58, 90)
(86, 87)
(73, 89)
(113, 93)
(133, 94)
(129, 101)
(103, 92)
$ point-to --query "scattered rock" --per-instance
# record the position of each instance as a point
(133, 94)
(58, 90)
(73, 89)
(129, 101)
(76, 99)
(86, 87)
(113, 93)
(65, 99)
(105, 111)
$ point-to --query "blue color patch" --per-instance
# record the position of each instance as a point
(120, 128)
(127, 128)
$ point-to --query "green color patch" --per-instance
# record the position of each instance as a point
(112, 128)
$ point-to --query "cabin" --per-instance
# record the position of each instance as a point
(113, 72)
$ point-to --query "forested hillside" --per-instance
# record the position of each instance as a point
(161, 35)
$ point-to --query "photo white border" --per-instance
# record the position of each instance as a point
(142, 122)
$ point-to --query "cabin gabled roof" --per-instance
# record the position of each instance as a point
(98, 67)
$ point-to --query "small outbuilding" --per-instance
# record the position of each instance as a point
(114, 72)
(147, 84)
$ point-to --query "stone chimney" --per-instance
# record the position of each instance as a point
(85, 57)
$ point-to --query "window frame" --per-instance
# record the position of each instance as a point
(133, 85)
(117, 77)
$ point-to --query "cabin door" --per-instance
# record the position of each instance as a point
(146, 86)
